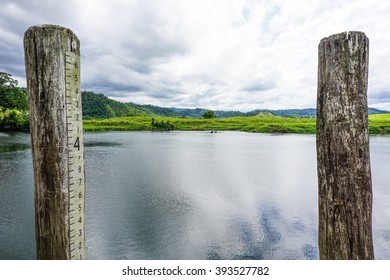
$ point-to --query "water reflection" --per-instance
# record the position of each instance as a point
(6, 148)
(17, 237)
(13, 142)
(267, 240)
(192, 196)
(189, 195)
(101, 144)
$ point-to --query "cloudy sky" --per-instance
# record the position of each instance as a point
(217, 54)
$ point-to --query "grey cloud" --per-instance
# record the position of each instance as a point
(379, 97)
(120, 89)
(15, 18)
(142, 68)
(11, 43)
(10, 17)
(132, 50)
(157, 51)
(259, 86)
(161, 95)
(154, 46)
(104, 82)
(165, 92)
(12, 59)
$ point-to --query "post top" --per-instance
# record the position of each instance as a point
(346, 35)
(49, 30)
(48, 26)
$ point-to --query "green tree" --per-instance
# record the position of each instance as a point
(13, 120)
(162, 126)
(6, 80)
(13, 104)
(209, 114)
(11, 96)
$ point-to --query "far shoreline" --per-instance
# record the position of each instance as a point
(378, 124)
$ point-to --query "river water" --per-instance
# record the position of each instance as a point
(189, 195)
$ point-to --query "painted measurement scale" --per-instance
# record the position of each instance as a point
(76, 174)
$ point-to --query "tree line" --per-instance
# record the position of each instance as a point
(13, 105)
(14, 109)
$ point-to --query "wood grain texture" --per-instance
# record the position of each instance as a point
(344, 174)
(45, 47)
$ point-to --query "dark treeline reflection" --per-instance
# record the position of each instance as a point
(274, 229)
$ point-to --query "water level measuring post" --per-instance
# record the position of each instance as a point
(52, 58)
(76, 175)
(343, 156)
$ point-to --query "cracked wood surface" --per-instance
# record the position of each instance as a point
(45, 47)
(344, 174)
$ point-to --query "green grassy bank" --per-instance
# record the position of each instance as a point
(379, 124)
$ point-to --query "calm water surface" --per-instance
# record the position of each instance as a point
(189, 195)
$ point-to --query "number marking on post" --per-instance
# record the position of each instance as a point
(76, 173)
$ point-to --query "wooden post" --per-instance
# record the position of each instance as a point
(344, 175)
(46, 50)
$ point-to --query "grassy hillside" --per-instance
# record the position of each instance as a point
(97, 105)
(159, 111)
(288, 113)
(102, 113)
(379, 124)
(249, 124)
(198, 113)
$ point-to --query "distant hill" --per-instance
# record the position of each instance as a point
(288, 113)
(97, 105)
(302, 113)
(373, 111)
(198, 113)
(189, 113)
(159, 111)
(265, 115)
(292, 113)
(229, 114)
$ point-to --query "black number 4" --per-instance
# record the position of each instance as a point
(77, 144)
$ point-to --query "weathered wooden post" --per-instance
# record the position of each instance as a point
(52, 58)
(344, 175)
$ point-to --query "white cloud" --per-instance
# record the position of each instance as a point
(221, 54)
